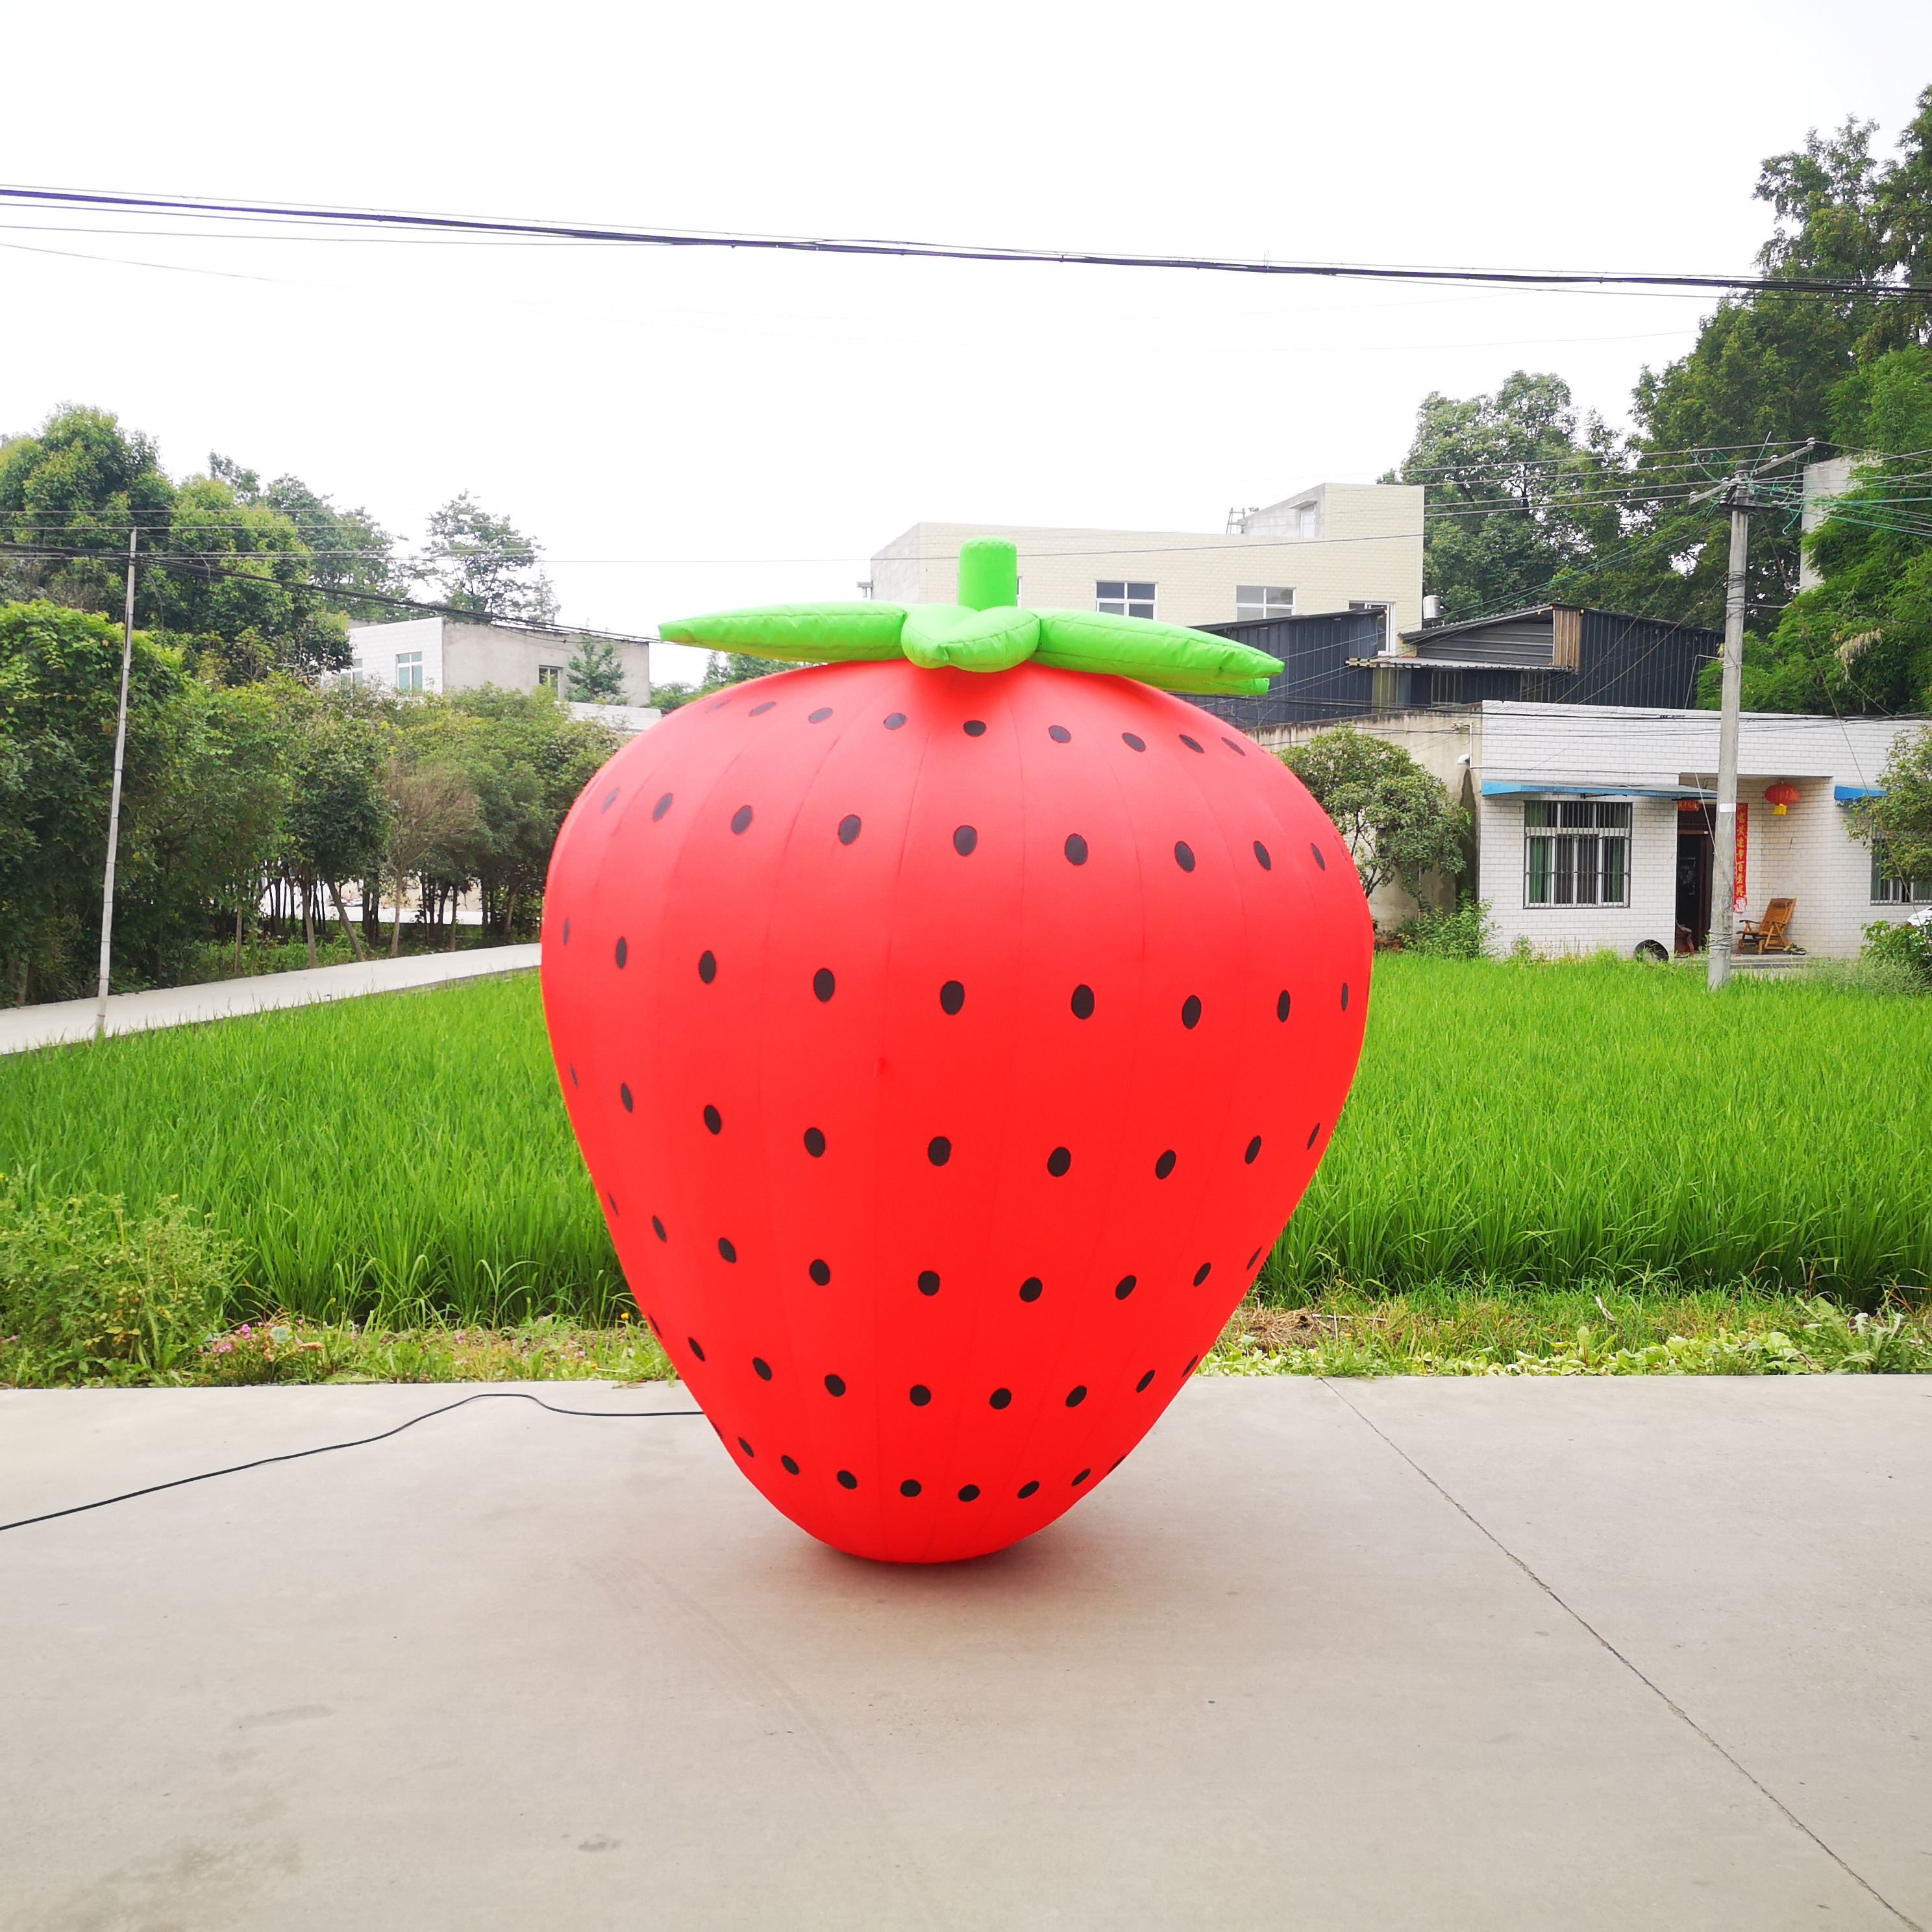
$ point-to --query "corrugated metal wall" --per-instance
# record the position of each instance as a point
(1644, 661)
(1317, 684)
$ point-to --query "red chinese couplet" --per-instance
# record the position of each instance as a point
(1738, 893)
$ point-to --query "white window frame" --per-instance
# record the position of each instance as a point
(1259, 602)
(408, 670)
(1896, 892)
(1579, 855)
(1126, 597)
(550, 677)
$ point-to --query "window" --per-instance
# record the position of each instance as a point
(1257, 600)
(1575, 852)
(1897, 891)
(1305, 516)
(1124, 600)
(408, 670)
(550, 674)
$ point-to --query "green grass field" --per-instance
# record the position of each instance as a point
(1589, 1127)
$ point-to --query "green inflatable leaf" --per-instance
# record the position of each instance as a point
(987, 630)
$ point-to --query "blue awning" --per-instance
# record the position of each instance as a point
(1851, 794)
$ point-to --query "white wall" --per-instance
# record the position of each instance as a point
(374, 649)
(458, 656)
(1369, 548)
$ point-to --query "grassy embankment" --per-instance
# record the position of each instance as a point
(1529, 1152)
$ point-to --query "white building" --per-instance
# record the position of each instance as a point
(448, 654)
(1595, 826)
(1336, 547)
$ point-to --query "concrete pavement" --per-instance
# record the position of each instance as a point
(1457, 1654)
(63, 1022)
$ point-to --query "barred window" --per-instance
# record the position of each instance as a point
(1575, 852)
(1896, 892)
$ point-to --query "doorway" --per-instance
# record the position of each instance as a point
(1695, 863)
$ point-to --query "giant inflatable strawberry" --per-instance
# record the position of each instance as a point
(949, 1029)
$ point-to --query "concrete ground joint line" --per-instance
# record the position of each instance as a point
(1656, 1690)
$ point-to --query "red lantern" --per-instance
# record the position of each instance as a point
(1780, 795)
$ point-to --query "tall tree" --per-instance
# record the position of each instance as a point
(349, 551)
(478, 561)
(595, 674)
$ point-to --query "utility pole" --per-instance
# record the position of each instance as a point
(1741, 498)
(114, 807)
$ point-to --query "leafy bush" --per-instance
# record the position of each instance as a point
(86, 1290)
(1904, 947)
(1464, 934)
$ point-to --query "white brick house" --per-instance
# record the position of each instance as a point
(1594, 825)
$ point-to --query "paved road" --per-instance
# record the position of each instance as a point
(62, 1022)
(1537, 1654)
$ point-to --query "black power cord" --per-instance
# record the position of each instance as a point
(360, 1441)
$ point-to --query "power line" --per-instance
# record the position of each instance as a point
(499, 226)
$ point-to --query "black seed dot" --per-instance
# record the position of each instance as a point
(790, 1467)
(1163, 1167)
(1239, 751)
(1322, 862)
(657, 810)
(964, 839)
(759, 710)
(819, 716)
(566, 932)
(974, 727)
(707, 967)
(928, 1281)
(1028, 1490)
(893, 723)
(1201, 1273)
(1281, 1004)
(822, 984)
(1262, 858)
(834, 1384)
(1183, 855)
(1193, 744)
(1058, 1162)
(658, 1228)
(970, 1493)
(691, 1342)
(999, 1398)
(939, 1149)
(612, 800)
(1190, 1368)
(623, 952)
(741, 818)
(1254, 1258)
(725, 1248)
(1083, 1003)
(1124, 1287)
(849, 828)
(714, 1120)
(821, 1273)
(908, 1487)
(814, 1142)
(1076, 849)
(847, 1480)
(1141, 1387)
(1081, 1478)
(1315, 1133)
(919, 1395)
(624, 1094)
(1254, 1148)
(1032, 1288)
(1190, 1012)
(612, 1199)
(1058, 733)
(574, 1081)
(952, 996)
(1075, 1397)
(1344, 996)
(1132, 743)
(718, 704)
(761, 1368)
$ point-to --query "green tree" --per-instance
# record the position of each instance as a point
(337, 827)
(1396, 820)
(595, 674)
(348, 551)
(1515, 486)
(475, 561)
(1900, 823)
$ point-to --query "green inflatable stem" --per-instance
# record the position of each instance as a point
(987, 630)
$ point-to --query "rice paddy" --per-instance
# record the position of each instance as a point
(1596, 1128)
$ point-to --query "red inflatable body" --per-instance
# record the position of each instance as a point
(948, 1050)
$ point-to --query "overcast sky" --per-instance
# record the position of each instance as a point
(686, 430)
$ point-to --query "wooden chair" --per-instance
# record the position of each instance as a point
(1770, 934)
